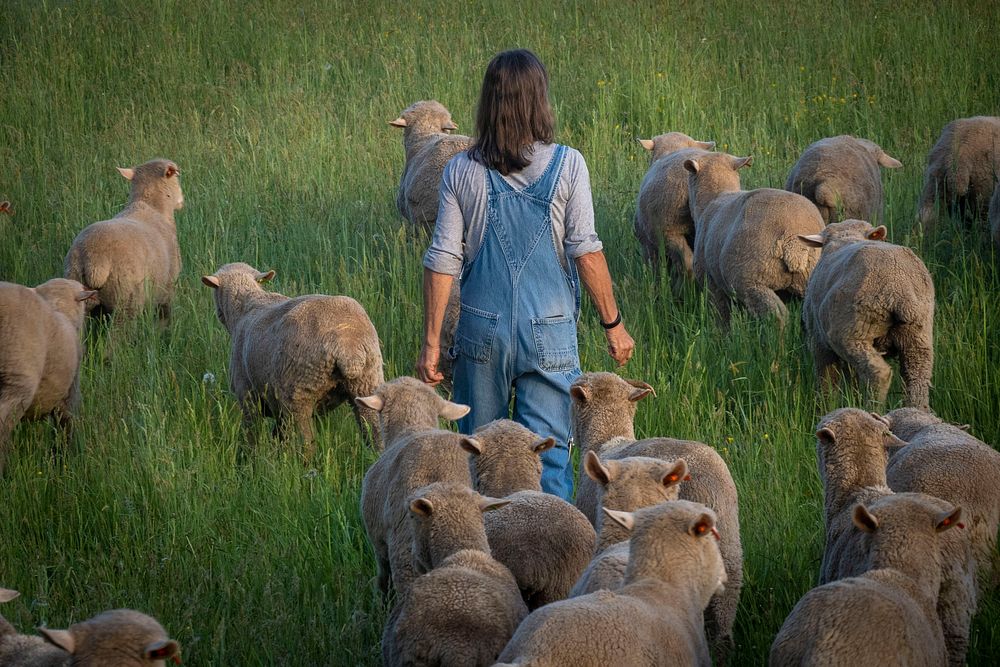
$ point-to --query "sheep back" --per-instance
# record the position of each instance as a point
(961, 169)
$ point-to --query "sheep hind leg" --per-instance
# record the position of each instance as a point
(873, 373)
(825, 362)
(723, 304)
(680, 255)
(956, 604)
(763, 302)
(13, 405)
(301, 415)
(916, 363)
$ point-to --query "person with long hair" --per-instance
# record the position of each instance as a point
(516, 226)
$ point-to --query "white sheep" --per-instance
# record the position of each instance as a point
(429, 144)
(868, 299)
(294, 357)
(962, 169)
(662, 214)
(465, 605)
(137, 249)
(40, 358)
(841, 176)
(747, 244)
(655, 618)
(885, 615)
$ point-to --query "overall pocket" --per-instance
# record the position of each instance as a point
(475, 332)
(555, 343)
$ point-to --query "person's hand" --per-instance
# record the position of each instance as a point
(620, 344)
(427, 365)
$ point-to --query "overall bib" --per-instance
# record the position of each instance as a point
(517, 327)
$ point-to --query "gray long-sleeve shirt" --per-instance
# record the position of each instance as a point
(463, 198)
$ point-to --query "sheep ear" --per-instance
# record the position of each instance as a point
(449, 126)
(676, 474)
(877, 234)
(580, 392)
(85, 294)
(949, 520)
(127, 174)
(740, 162)
(706, 145)
(596, 470)
(5, 207)
(881, 418)
(399, 122)
(61, 638)
(487, 504)
(963, 427)
(646, 143)
(692, 166)
(702, 526)
(6, 595)
(453, 411)
(642, 390)
(265, 277)
(624, 519)
(812, 240)
(211, 281)
(171, 170)
(543, 445)
(421, 507)
(471, 445)
(886, 160)
(826, 436)
(373, 402)
(863, 519)
(163, 650)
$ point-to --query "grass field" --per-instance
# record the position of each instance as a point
(276, 114)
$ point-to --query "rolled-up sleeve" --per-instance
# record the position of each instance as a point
(581, 236)
(446, 252)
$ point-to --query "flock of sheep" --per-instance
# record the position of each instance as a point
(646, 566)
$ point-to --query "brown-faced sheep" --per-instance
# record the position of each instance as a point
(40, 357)
(866, 300)
(137, 249)
(962, 169)
(655, 618)
(294, 357)
(841, 176)
(662, 214)
(747, 244)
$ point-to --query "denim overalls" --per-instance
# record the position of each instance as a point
(517, 327)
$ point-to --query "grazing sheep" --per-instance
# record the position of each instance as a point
(868, 299)
(885, 615)
(626, 485)
(545, 541)
(428, 145)
(40, 357)
(747, 244)
(416, 453)
(293, 357)
(137, 249)
(841, 176)
(655, 618)
(994, 216)
(465, 605)
(662, 214)
(603, 414)
(962, 169)
(120, 637)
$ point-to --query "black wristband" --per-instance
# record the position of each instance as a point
(612, 324)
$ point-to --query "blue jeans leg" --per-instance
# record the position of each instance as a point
(542, 404)
(484, 388)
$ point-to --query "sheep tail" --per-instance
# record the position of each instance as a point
(356, 364)
(827, 196)
(92, 275)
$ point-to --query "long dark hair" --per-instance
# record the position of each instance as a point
(514, 111)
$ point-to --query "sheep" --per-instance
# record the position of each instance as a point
(747, 244)
(994, 216)
(117, 637)
(40, 359)
(137, 248)
(429, 145)
(627, 485)
(603, 411)
(655, 618)
(465, 605)
(841, 176)
(884, 615)
(662, 214)
(868, 299)
(545, 541)
(853, 451)
(293, 357)
(962, 169)
(416, 453)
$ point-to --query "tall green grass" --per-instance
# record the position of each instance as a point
(276, 114)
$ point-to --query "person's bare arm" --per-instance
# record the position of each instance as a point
(437, 288)
(593, 270)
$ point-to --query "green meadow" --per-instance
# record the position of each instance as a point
(276, 113)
